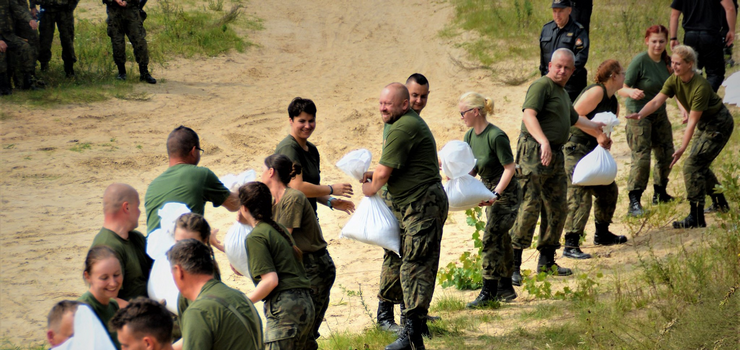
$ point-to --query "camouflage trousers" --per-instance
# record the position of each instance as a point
(543, 196)
(65, 21)
(498, 255)
(321, 273)
(3, 63)
(579, 197)
(711, 136)
(24, 30)
(19, 53)
(122, 22)
(390, 272)
(421, 240)
(652, 133)
(289, 315)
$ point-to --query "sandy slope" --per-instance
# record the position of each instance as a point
(340, 55)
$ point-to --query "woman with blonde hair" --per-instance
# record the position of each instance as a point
(710, 117)
(495, 166)
(595, 98)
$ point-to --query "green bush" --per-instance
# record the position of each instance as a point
(467, 275)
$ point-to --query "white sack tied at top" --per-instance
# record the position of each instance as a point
(233, 182)
(463, 190)
(598, 168)
(372, 222)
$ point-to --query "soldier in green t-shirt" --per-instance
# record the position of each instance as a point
(410, 167)
(143, 325)
(293, 210)
(184, 181)
(121, 217)
(495, 166)
(219, 317)
(548, 116)
(279, 277)
(713, 124)
(104, 276)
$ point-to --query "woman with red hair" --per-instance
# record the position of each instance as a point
(645, 77)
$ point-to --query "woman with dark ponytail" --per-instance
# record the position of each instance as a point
(293, 210)
(277, 272)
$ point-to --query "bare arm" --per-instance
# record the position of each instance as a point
(684, 113)
(509, 170)
(694, 117)
(633, 93)
(232, 202)
(267, 283)
(731, 14)
(675, 14)
(378, 178)
(534, 129)
(649, 107)
(316, 191)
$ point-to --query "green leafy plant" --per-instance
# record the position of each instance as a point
(466, 273)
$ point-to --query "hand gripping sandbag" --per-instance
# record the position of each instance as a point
(236, 249)
(595, 169)
(162, 239)
(608, 118)
(161, 284)
(89, 332)
(463, 190)
(372, 222)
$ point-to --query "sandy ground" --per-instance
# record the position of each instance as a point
(339, 55)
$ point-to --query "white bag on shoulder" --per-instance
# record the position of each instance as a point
(233, 182)
(463, 190)
(161, 284)
(595, 169)
(372, 222)
(236, 249)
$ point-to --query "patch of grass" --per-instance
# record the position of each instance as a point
(448, 303)
(9, 146)
(372, 338)
(171, 32)
(6, 344)
(80, 147)
(541, 312)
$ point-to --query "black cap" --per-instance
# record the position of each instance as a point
(560, 4)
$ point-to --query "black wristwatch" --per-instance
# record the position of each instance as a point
(496, 196)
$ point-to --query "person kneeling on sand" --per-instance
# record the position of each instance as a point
(143, 325)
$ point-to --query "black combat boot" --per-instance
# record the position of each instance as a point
(145, 76)
(386, 319)
(660, 195)
(516, 276)
(695, 218)
(69, 70)
(719, 204)
(506, 292)
(546, 263)
(121, 71)
(487, 295)
(411, 336)
(27, 82)
(5, 88)
(572, 247)
(635, 209)
(603, 236)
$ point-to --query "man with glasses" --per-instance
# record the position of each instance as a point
(184, 181)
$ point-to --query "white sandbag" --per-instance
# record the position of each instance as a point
(161, 284)
(608, 118)
(732, 89)
(162, 239)
(463, 190)
(89, 332)
(595, 169)
(372, 222)
(235, 246)
(233, 182)
(355, 163)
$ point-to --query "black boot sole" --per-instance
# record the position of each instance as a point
(576, 255)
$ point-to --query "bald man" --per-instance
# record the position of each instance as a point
(121, 216)
(410, 167)
(184, 181)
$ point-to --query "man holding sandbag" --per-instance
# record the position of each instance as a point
(548, 116)
(410, 167)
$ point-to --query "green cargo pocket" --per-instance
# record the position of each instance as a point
(282, 332)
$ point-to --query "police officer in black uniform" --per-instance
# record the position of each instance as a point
(564, 32)
(703, 25)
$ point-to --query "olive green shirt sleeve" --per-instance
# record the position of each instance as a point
(396, 149)
(573, 116)
(260, 259)
(669, 88)
(197, 333)
(503, 149)
(291, 212)
(535, 98)
(214, 190)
